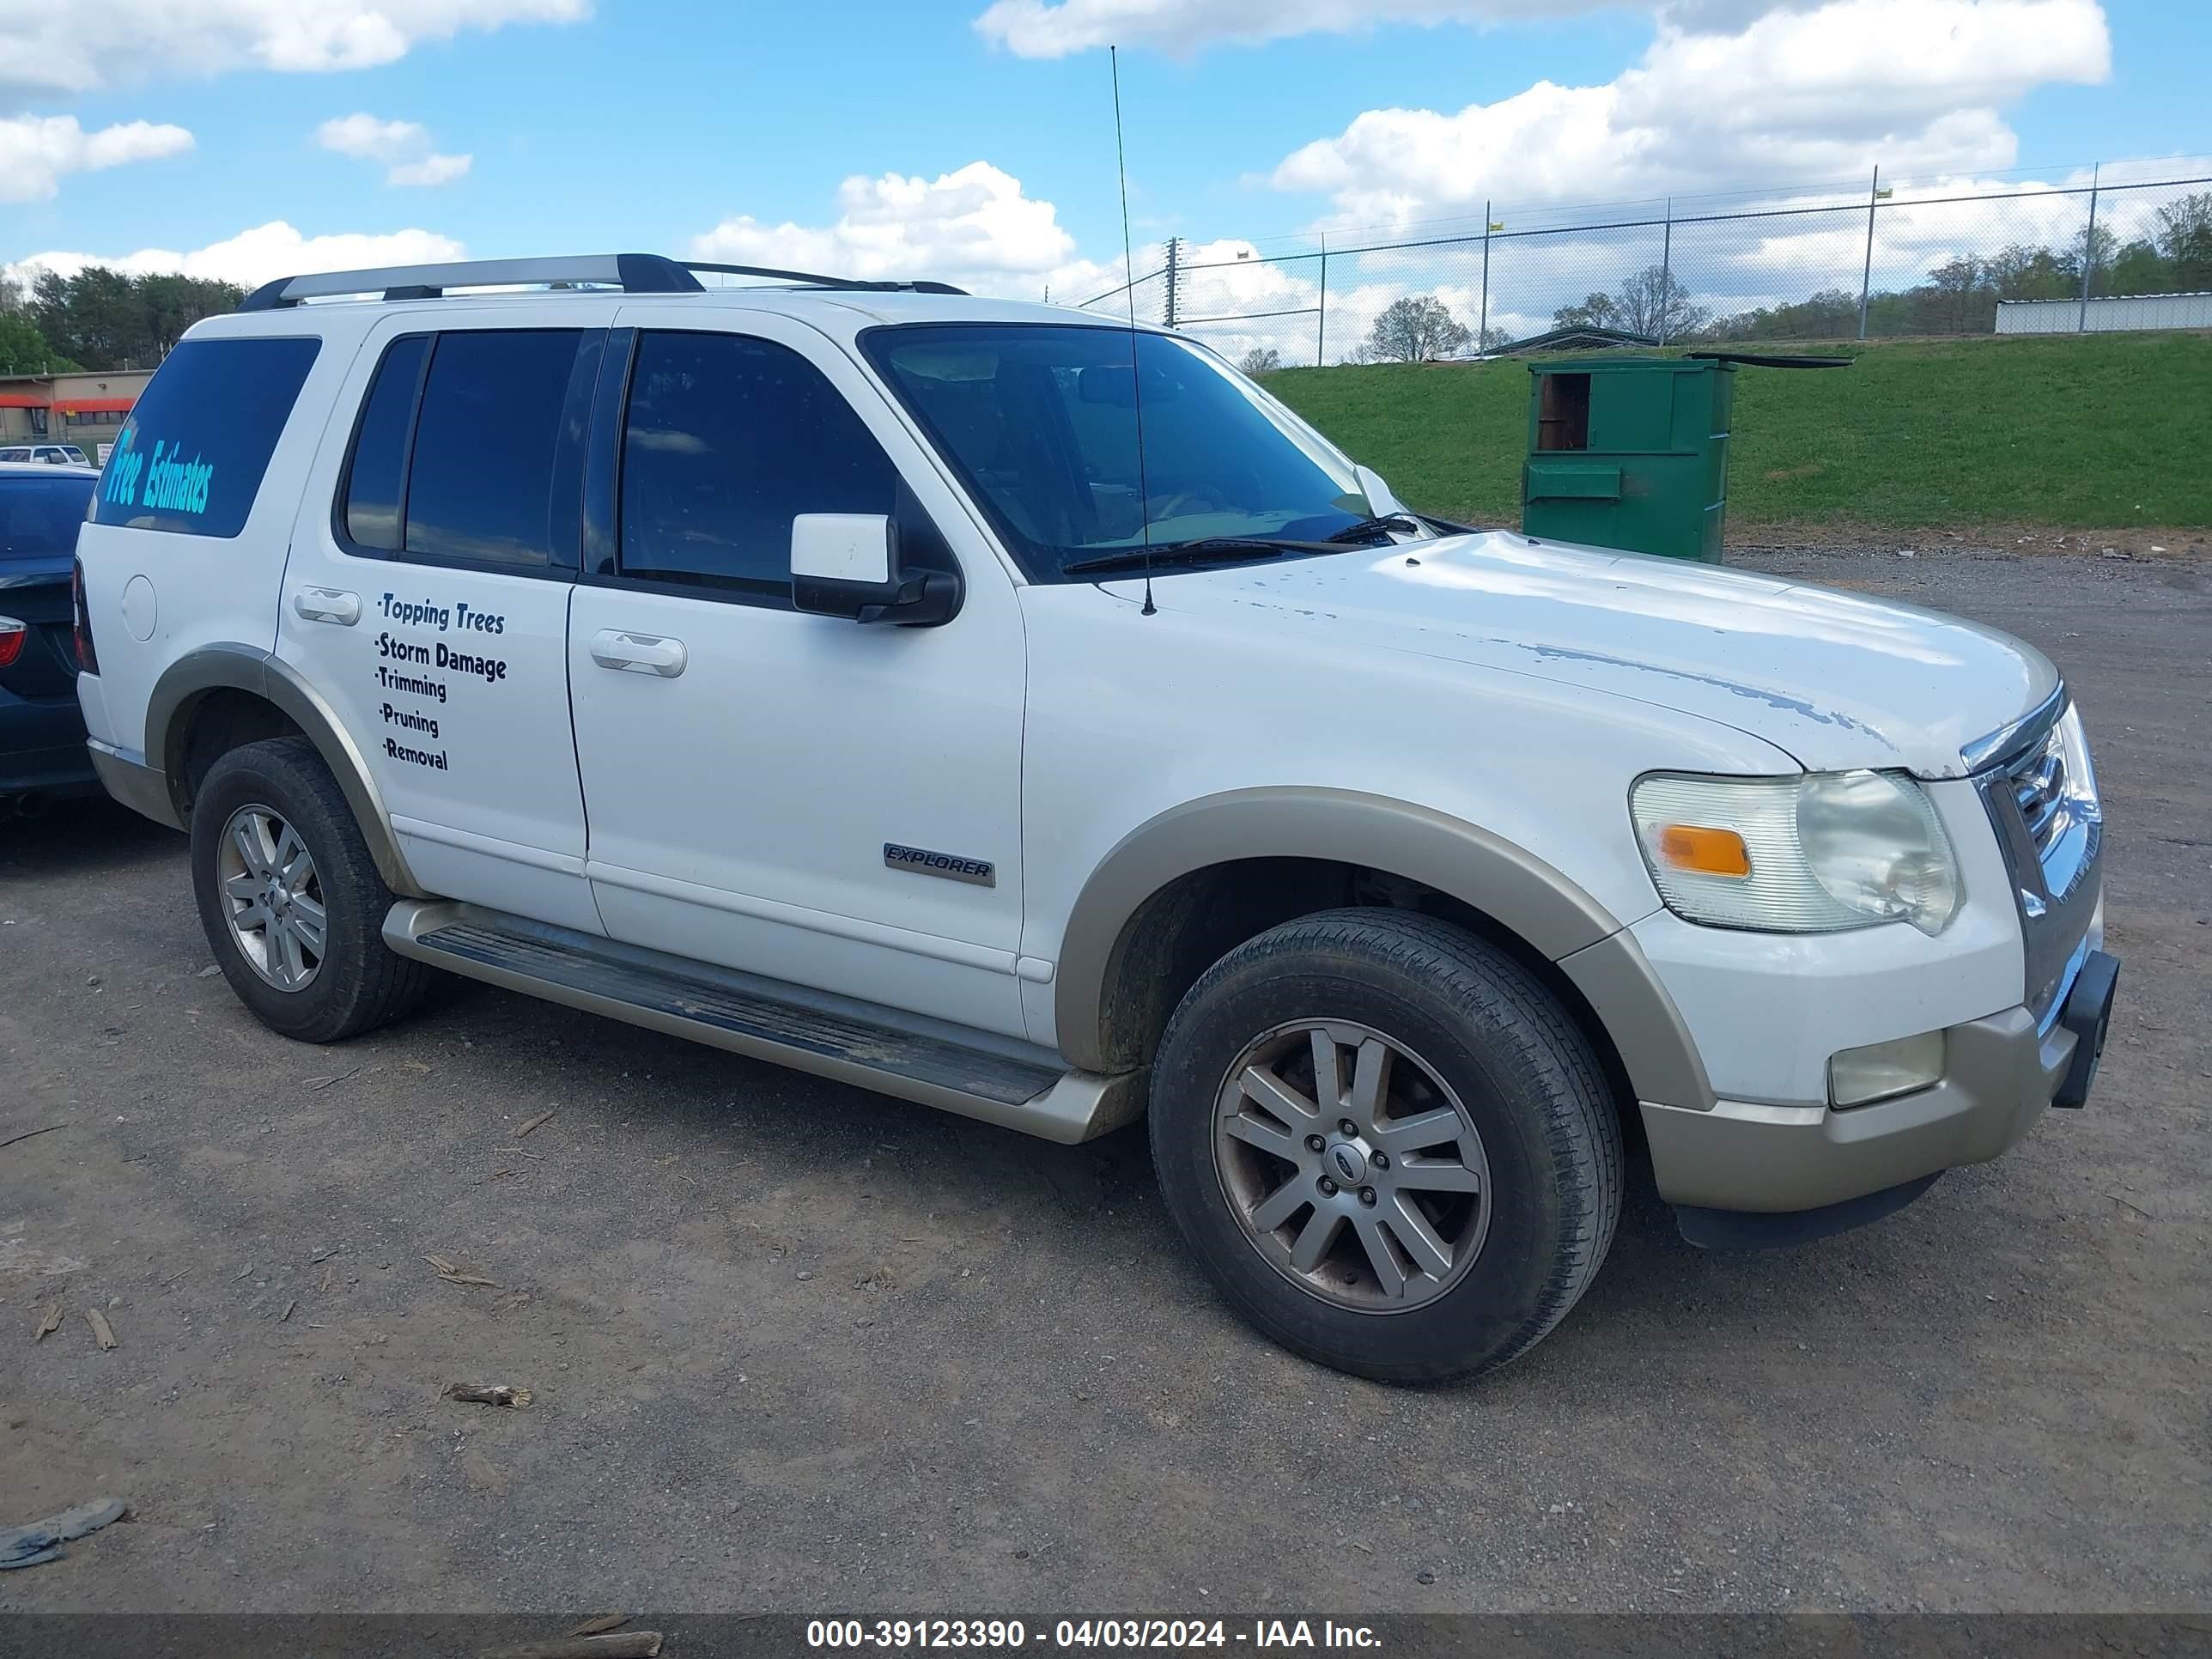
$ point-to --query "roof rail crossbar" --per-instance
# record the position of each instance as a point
(634, 273)
(813, 279)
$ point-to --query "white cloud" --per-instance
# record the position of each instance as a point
(1918, 228)
(405, 144)
(430, 170)
(1730, 91)
(1054, 28)
(36, 150)
(366, 138)
(255, 256)
(1827, 92)
(49, 51)
(972, 227)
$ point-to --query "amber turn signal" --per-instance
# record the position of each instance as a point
(1707, 851)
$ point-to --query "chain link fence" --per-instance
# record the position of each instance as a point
(1888, 259)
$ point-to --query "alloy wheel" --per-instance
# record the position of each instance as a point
(1354, 1169)
(272, 897)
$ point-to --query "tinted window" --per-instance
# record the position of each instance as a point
(190, 457)
(375, 474)
(727, 440)
(39, 517)
(480, 486)
(1041, 420)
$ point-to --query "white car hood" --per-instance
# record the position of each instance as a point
(1836, 680)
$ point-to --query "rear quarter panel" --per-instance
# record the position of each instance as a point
(206, 590)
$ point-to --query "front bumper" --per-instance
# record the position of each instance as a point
(2000, 1074)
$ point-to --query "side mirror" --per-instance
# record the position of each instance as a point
(1116, 385)
(1107, 383)
(1380, 496)
(847, 564)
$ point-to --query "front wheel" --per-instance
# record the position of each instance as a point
(290, 899)
(1389, 1143)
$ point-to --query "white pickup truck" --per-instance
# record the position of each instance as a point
(1033, 718)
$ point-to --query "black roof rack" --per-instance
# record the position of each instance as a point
(633, 273)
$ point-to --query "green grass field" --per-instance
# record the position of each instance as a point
(2101, 431)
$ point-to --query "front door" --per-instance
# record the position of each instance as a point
(802, 797)
(427, 596)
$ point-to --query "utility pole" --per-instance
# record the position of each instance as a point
(1667, 275)
(1174, 243)
(1320, 333)
(2088, 250)
(1866, 277)
(1482, 329)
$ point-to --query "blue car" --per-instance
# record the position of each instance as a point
(42, 752)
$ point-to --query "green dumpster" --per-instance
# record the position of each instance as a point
(1629, 453)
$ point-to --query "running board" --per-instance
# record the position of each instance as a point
(805, 1030)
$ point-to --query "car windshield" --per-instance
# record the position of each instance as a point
(39, 517)
(1041, 422)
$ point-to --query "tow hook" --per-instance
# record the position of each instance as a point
(2089, 1016)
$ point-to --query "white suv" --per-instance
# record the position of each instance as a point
(778, 666)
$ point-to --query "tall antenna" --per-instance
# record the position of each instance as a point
(1136, 374)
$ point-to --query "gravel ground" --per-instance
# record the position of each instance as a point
(798, 1348)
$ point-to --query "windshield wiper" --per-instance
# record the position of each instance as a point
(1368, 529)
(1205, 549)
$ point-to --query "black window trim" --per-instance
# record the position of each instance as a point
(603, 483)
(561, 563)
(342, 498)
(601, 546)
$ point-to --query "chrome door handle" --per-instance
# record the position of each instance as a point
(328, 604)
(638, 653)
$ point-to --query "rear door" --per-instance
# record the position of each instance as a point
(427, 596)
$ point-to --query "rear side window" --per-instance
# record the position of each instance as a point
(190, 460)
(480, 482)
(39, 517)
(728, 439)
(378, 468)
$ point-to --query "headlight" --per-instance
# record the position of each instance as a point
(1810, 854)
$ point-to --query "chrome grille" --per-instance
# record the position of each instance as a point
(2041, 794)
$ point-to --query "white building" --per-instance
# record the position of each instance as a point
(2134, 311)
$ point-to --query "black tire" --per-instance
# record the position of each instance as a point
(1492, 1033)
(361, 982)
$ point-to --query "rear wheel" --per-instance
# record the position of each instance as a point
(290, 898)
(1389, 1143)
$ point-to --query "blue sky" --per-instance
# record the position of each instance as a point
(978, 143)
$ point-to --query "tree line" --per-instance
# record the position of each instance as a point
(1960, 296)
(101, 318)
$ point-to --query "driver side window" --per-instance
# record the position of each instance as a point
(725, 439)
